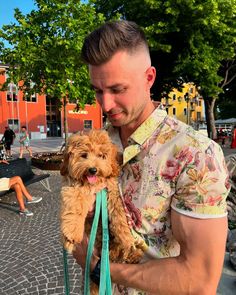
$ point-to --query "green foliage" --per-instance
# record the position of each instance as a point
(189, 38)
(45, 49)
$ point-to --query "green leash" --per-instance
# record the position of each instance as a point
(105, 277)
(66, 273)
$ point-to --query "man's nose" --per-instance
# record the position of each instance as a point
(107, 102)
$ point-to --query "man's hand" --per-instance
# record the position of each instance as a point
(80, 254)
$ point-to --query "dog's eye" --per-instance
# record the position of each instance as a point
(103, 156)
(84, 156)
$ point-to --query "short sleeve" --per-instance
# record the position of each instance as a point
(203, 184)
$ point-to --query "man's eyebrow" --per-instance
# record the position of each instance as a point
(108, 87)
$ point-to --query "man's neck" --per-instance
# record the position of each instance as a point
(126, 131)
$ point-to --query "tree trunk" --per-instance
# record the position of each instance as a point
(210, 118)
(65, 100)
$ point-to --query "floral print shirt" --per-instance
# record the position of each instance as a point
(167, 164)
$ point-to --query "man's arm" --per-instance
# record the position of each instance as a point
(196, 270)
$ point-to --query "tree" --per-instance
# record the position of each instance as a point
(45, 50)
(189, 41)
(226, 106)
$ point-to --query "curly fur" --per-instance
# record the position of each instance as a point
(90, 161)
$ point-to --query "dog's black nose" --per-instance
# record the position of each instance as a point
(92, 170)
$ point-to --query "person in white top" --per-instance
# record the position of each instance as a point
(15, 183)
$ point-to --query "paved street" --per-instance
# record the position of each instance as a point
(30, 251)
(31, 260)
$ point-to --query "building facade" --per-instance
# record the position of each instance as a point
(186, 105)
(41, 114)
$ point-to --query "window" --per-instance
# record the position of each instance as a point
(190, 90)
(30, 98)
(198, 116)
(13, 124)
(185, 111)
(174, 96)
(12, 92)
(88, 124)
(174, 111)
(199, 103)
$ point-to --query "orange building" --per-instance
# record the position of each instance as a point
(41, 114)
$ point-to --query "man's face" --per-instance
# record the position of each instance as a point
(122, 86)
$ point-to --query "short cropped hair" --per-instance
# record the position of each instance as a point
(100, 45)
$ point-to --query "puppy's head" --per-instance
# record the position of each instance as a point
(90, 158)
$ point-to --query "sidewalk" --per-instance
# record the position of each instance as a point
(54, 144)
(37, 145)
(31, 261)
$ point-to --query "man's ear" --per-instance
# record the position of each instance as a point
(151, 76)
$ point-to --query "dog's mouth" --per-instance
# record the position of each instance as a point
(92, 179)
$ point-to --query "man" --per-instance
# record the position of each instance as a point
(173, 180)
(8, 138)
(15, 183)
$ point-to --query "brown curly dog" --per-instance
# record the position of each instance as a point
(90, 163)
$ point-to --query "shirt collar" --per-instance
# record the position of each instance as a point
(147, 128)
(139, 136)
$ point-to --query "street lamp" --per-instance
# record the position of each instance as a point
(187, 99)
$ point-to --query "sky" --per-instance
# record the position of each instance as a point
(7, 9)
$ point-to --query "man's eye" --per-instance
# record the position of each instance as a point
(84, 156)
(118, 90)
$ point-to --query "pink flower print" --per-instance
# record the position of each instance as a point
(185, 155)
(172, 169)
(134, 213)
(171, 122)
(197, 158)
(213, 200)
(136, 172)
(210, 163)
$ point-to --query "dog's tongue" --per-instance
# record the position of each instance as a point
(92, 178)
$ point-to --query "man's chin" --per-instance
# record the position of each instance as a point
(116, 122)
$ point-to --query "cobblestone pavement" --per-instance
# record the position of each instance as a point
(31, 260)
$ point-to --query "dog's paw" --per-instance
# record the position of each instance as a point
(133, 256)
(75, 237)
(68, 245)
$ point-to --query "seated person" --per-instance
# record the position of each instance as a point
(15, 183)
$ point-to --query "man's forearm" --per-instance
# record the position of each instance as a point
(162, 276)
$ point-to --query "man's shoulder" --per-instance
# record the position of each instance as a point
(184, 132)
(176, 135)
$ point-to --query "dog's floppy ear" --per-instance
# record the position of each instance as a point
(73, 141)
(115, 165)
(64, 165)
